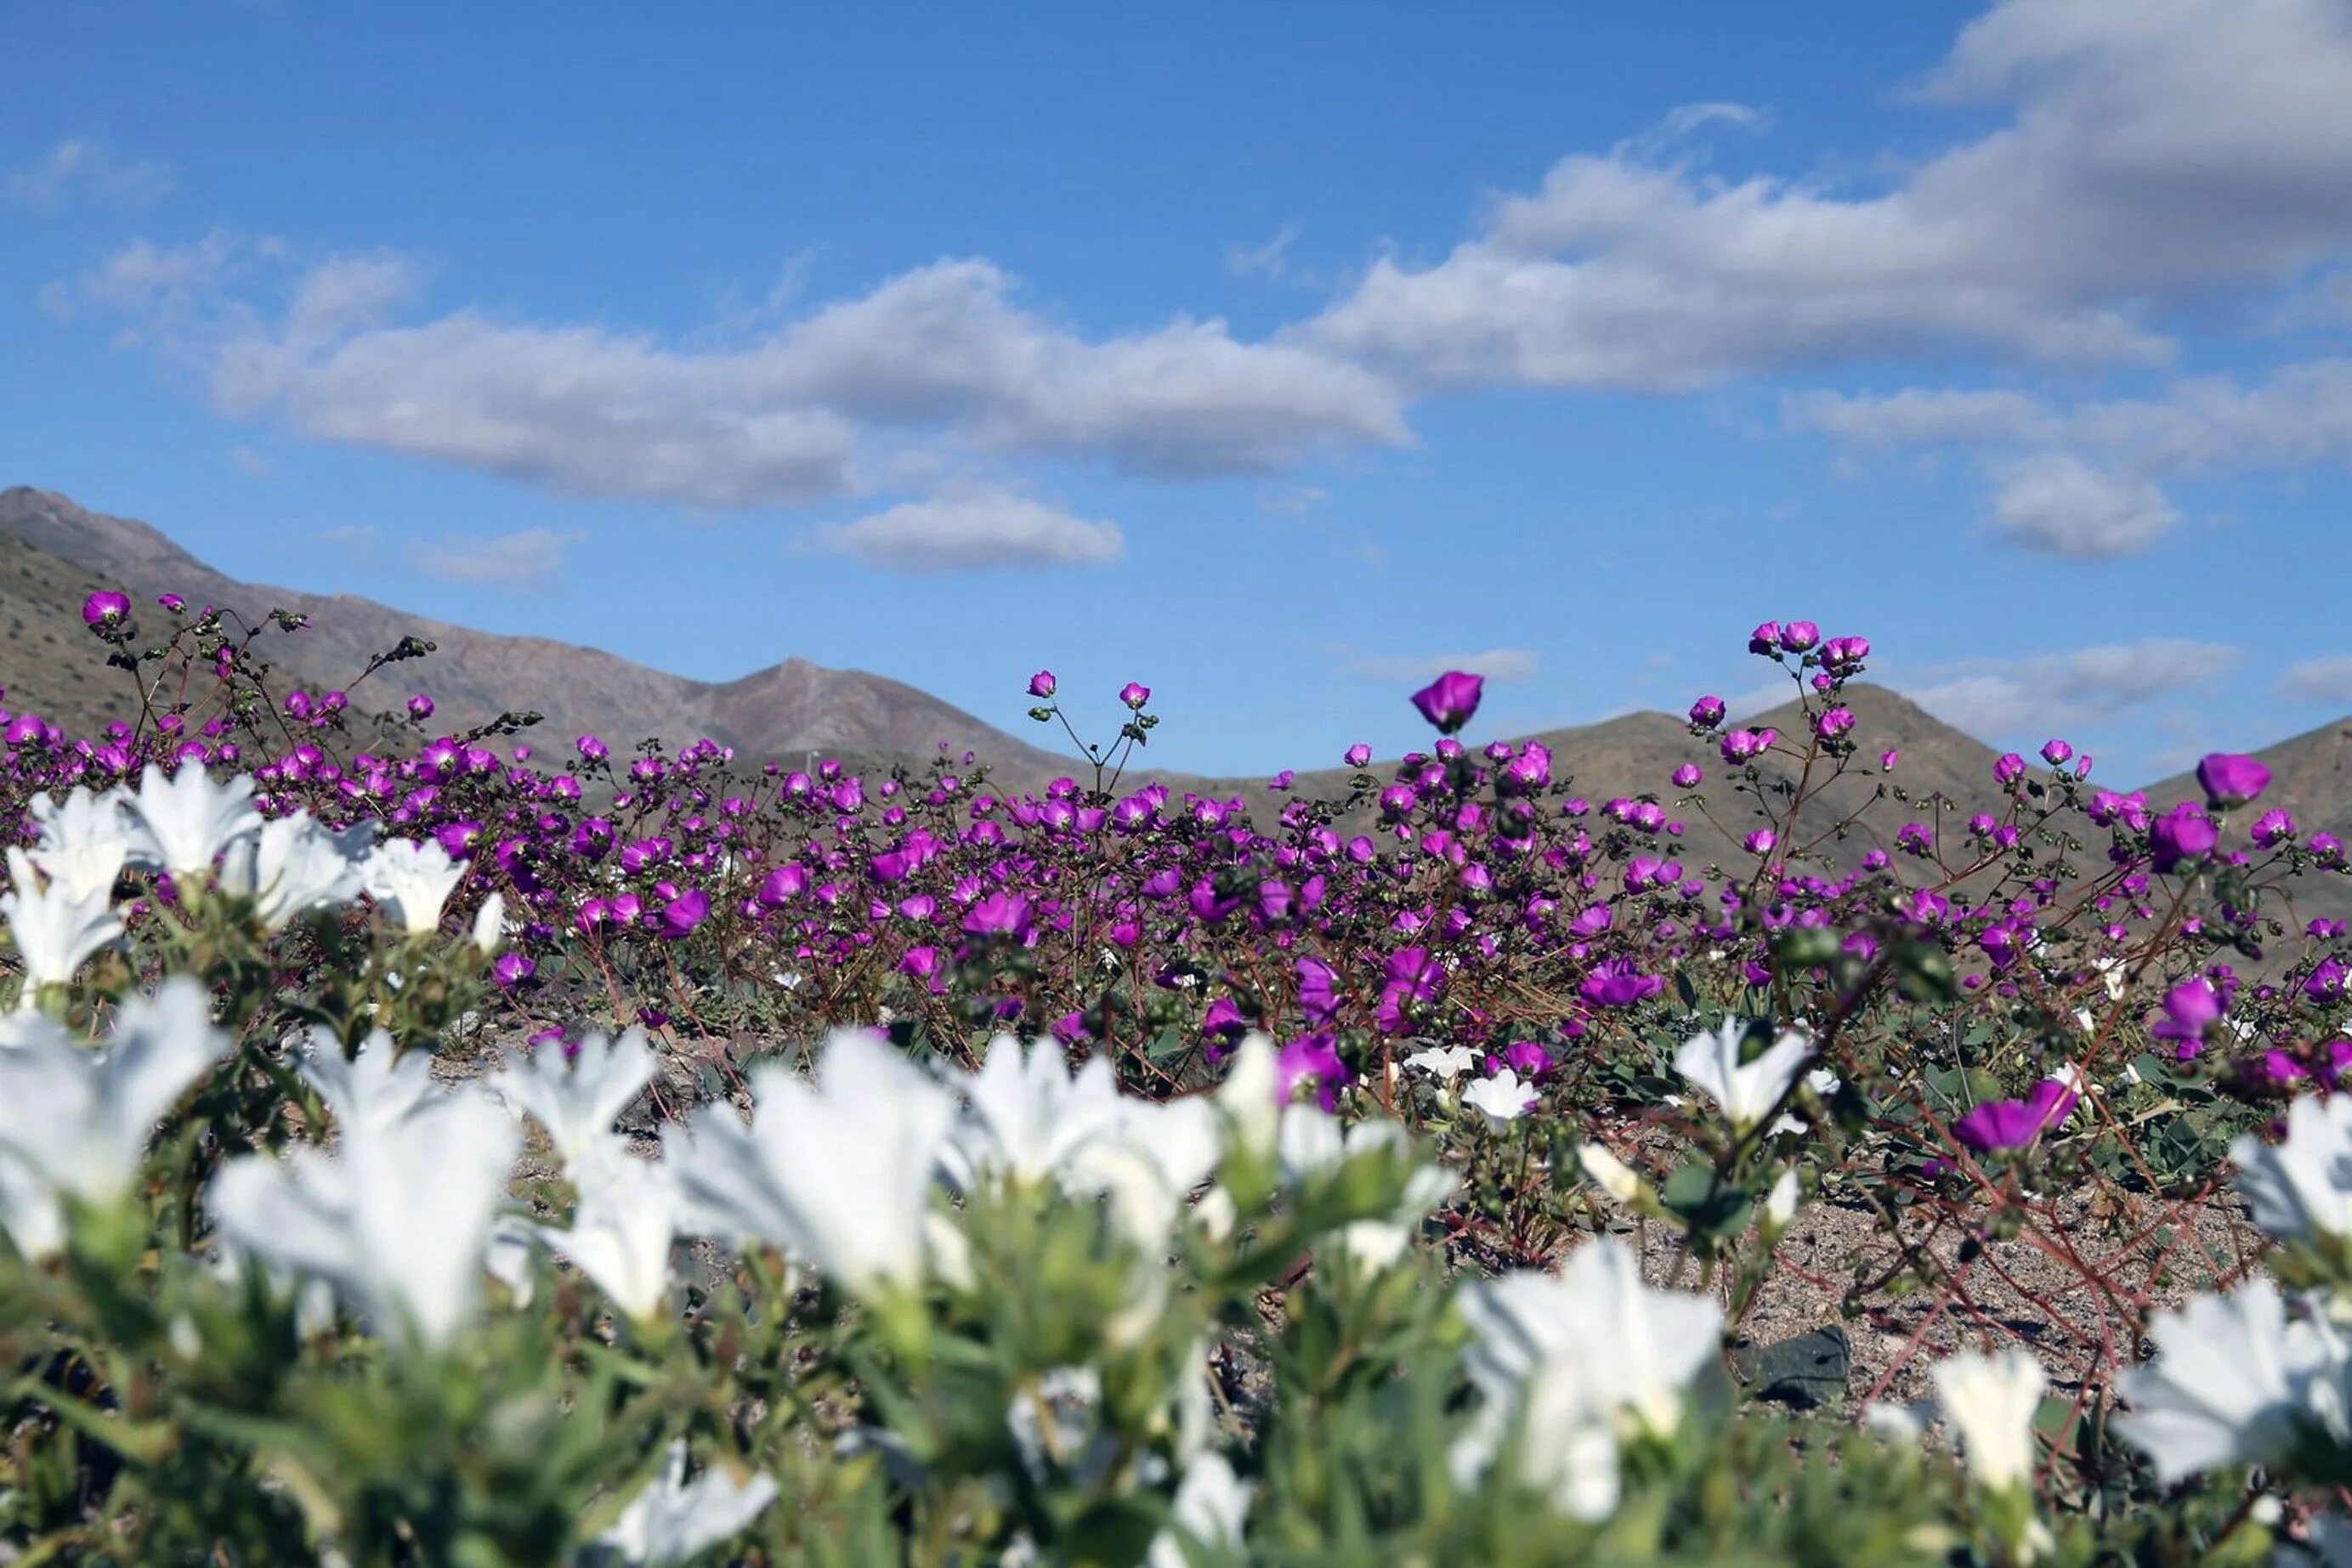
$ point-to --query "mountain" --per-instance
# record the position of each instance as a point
(52, 552)
(58, 551)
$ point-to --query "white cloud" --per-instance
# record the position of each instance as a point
(81, 167)
(1495, 664)
(2061, 504)
(2326, 680)
(528, 560)
(2048, 693)
(937, 357)
(973, 532)
(2149, 153)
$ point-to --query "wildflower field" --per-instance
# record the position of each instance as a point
(494, 1149)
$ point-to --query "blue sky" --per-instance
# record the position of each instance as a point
(1271, 355)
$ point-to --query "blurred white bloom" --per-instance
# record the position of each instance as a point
(507, 1253)
(490, 924)
(181, 824)
(413, 878)
(1991, 1401)
(1744, 1091)
(1149, 1164)
(84, 840)
(1212, 1505)
(1579, 1358)
(293, 865)
(838, 1173)
(1780, 1203)
(398, 1220)
(1251, 1097)
(675, 1520)
(1500, 1099)
(2301, 1187)
(77, 1122)
(1057, 1424)
(55, 931)
(1027, 1113)
(576, 1101)
(379, 1088)
(1610, 1173)
(1892, 1421)
(1447, 1064)
(2235, 1382)
(622, 1235)
(1313, 1143)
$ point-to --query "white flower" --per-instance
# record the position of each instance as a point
(2236, 1381)
(1211, 1507)
(77, 1122)
(181, 824)
(413, 878)
(1500, 1099)
(1057, 1423)
(84, 840)
(1147, 1164)
(1447, 1064)
(674, 1520)
(839, 1174)
(577, 1102)
(1314, 1144)
(2302, 1187)
(379, 1088)
(490, 924)
(1251, 1097)
(1580, 1357)
(1027, 1113)
(1610, 1173)
(397, 1221)
(622, 1233)
(1744, 1091)
(1780, 1203)
(56, 932)
(292, 866)
(1990, 1402)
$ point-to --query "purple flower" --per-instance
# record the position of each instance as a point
(2231, 780)
(1225, 1021)
(681, 915)
(2190, 1009)
(1764, 639)
(2008, 769)
(1833, 723)
(1747, 745)
(1318, 996)
(2182, 833)
(1358, 755)
(420, 707)
(1041, 684)
(171, 602)
(2274, 828)
(1134, 696)
(1526, 1058)
(1616, 983)
(1798, 636)
(1410, 975)
(1687, 776)
(1312, 1058)
(1843, 656)
(105, 610)
(1000, 913)
(2015, 1123)
(594, 750)
(1449, 701)
(2056, 752)
(1706, 713)
(512, 968)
